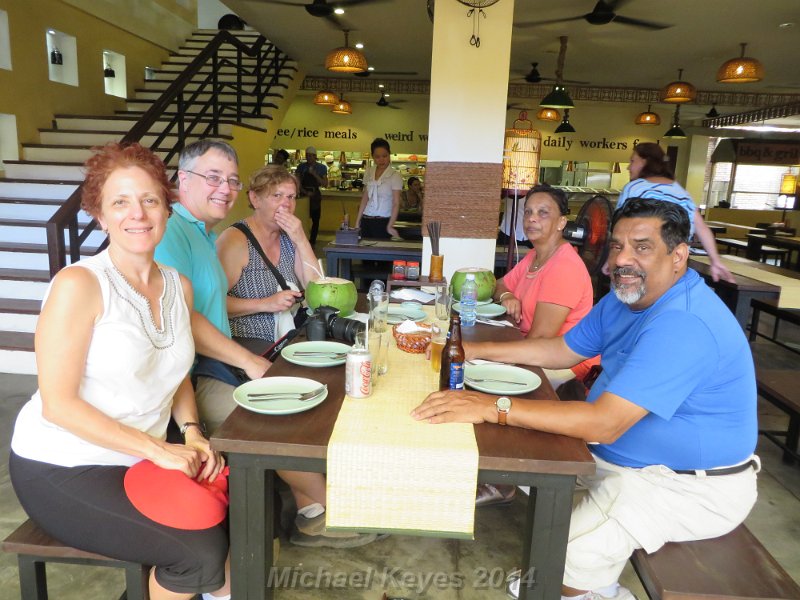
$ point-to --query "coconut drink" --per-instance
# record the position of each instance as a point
(484, 279)
(332, 291)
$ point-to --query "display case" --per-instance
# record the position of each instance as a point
(410, 165)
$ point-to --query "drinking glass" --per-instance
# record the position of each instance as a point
(378, 311)
(379, 348)
(438, 340)
(443, 302)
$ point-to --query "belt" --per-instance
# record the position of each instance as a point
(722, 471)
(373, 217)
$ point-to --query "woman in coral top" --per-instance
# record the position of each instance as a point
(550, 290)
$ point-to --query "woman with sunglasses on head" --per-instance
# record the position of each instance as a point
(113, 350)
(255, 298)
(255, 295)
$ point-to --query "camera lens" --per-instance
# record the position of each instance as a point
(344, 329)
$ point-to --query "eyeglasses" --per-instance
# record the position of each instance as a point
(216, 181)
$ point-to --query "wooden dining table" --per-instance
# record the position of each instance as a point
(736, 295)
(791, 243)
(257, 445)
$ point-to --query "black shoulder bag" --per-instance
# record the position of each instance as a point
(301, 316)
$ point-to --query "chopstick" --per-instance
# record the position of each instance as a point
(434, 231)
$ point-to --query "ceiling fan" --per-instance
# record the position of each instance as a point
(384, 103)
(381, 73)
(603, 13)
(535, 77)
(324, 9)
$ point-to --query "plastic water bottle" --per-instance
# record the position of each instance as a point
(469, 301)
(376, 287)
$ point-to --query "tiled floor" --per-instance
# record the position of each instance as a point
(409, 567)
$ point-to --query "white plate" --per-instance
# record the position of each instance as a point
(293, 385)
(489, 311)
(289, 353)
(529, 381)
(398, 314)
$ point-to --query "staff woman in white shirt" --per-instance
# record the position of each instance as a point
(380, 202)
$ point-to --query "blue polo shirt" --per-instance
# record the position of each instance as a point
(685, 360)
(188, 248)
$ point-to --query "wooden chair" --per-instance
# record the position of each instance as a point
(732, 567)
(34, 548)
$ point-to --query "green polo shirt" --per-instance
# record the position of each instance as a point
(188, 248)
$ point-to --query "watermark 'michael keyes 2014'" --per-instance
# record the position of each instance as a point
(389, 577)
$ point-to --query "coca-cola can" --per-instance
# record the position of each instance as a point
(358, 373)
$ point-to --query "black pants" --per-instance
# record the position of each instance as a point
(86, 507)
(315, 212)
(375, 227)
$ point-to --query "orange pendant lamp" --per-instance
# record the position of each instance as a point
(678, 92)
(346, 59)
(647, 117)
(325, 98)
(742, 69)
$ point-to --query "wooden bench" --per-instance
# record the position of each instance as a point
(790, 315)
(780, 387)
(732, 246)
(35, 548)
(732, 567)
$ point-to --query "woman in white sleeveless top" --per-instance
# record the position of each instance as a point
(113, 350)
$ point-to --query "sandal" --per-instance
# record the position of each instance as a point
(490, 494)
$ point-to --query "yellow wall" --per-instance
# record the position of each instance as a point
(166, 23)
(605, 132)
(307, 124)
(250, 145)
(26, 91)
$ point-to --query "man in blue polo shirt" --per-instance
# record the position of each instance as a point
(208, 182)
(671, 419)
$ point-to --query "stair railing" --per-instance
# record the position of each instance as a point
(204, 122)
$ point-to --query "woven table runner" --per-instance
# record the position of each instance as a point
(388, 472)
(790, 288)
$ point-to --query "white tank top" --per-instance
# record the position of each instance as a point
(132, 370)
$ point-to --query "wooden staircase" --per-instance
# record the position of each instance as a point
(50, 171)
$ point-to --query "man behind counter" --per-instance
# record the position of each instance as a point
(313, 175)
(673, 413)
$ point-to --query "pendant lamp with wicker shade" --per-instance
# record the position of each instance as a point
(742, 69)
(342, 107)
(325, 98)
(346, 59)
(647, 117)
(677, 92)
(548, 114)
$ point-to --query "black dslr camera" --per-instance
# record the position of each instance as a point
(325, 322)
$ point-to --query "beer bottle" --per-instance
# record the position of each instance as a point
(451, 375)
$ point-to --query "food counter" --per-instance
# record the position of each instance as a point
(334, 204)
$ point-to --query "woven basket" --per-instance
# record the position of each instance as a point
(415, 342)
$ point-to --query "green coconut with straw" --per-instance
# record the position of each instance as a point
(331, 291)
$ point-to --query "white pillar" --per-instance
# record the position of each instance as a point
(469, 89)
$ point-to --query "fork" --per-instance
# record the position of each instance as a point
(489, 379)
(322, 354)
(302, 397)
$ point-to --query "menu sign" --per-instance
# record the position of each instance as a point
(767, 153)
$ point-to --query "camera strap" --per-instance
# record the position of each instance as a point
(298, 316)
(249, 234)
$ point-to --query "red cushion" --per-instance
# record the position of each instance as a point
(173, 499)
